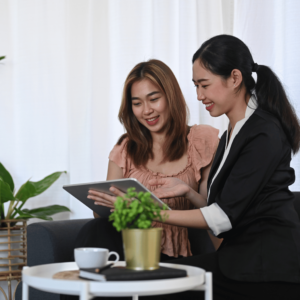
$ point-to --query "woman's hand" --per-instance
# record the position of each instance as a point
(173, 187)
(105, 199)
(170, 187)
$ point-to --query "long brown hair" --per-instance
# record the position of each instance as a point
(139, 145)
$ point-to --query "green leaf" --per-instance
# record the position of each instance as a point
(32, 189)
(2, 57)
(5, 192)
(47, 210)
(6, 177)
(43, 213)
(26, 191)
(45, 183)
(25, 215)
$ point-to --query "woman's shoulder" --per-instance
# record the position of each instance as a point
(118, 154)
(121, 144)
(203, 143)
(268, 120)
(201, 135)
(266, 124)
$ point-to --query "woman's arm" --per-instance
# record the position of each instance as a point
(203, 191)
(186, 218)
(113, 172)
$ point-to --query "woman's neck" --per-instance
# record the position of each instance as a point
(158, 139)
(158, 164)
(238, 112)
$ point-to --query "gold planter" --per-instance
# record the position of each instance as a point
(142, 248)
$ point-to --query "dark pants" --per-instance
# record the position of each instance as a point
(228, 289)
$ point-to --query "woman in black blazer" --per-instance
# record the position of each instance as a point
(249, 203)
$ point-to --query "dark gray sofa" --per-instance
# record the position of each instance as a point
(52, 242)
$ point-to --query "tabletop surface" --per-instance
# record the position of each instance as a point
(41, 277)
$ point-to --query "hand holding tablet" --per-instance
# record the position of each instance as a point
(101, 198)
(101, 191)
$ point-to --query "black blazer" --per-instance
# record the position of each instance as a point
(252, 189)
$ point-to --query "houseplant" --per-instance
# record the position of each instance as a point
(133, 215)
(28, 190)
(13, 237)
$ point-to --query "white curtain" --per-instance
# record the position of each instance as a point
(270, 28)
(61, 83)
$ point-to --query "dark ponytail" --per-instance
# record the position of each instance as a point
(223, 53)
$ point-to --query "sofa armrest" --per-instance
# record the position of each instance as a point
(50, 242)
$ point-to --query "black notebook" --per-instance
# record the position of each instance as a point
(123, 274)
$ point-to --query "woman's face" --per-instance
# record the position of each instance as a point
(149, 105)
(216, 93)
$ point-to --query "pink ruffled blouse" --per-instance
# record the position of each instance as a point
(202, 143)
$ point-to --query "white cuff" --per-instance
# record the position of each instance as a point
(216, 218)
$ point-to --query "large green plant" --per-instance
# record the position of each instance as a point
(136, 210)
(28, 190)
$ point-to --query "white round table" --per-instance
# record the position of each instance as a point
(41, 278)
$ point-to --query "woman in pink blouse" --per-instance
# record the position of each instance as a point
(158, 143)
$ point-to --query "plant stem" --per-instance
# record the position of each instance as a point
(2, 215)
(2, 211)
(10, 209)
(14, 214)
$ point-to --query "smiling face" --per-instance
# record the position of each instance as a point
(216, 93)
(149, 105)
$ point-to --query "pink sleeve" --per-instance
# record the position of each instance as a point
(204, 141)
(119, 156)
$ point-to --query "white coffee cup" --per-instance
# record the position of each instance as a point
(93, 257)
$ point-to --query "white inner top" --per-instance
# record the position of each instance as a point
(215, 217)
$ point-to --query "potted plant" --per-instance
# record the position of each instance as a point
(133, 215)
(13, 236)
(28, 190)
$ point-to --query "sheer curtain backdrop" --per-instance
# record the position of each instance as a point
(270, 28)
(61, 83)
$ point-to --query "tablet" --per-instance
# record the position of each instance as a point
(80, 192)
